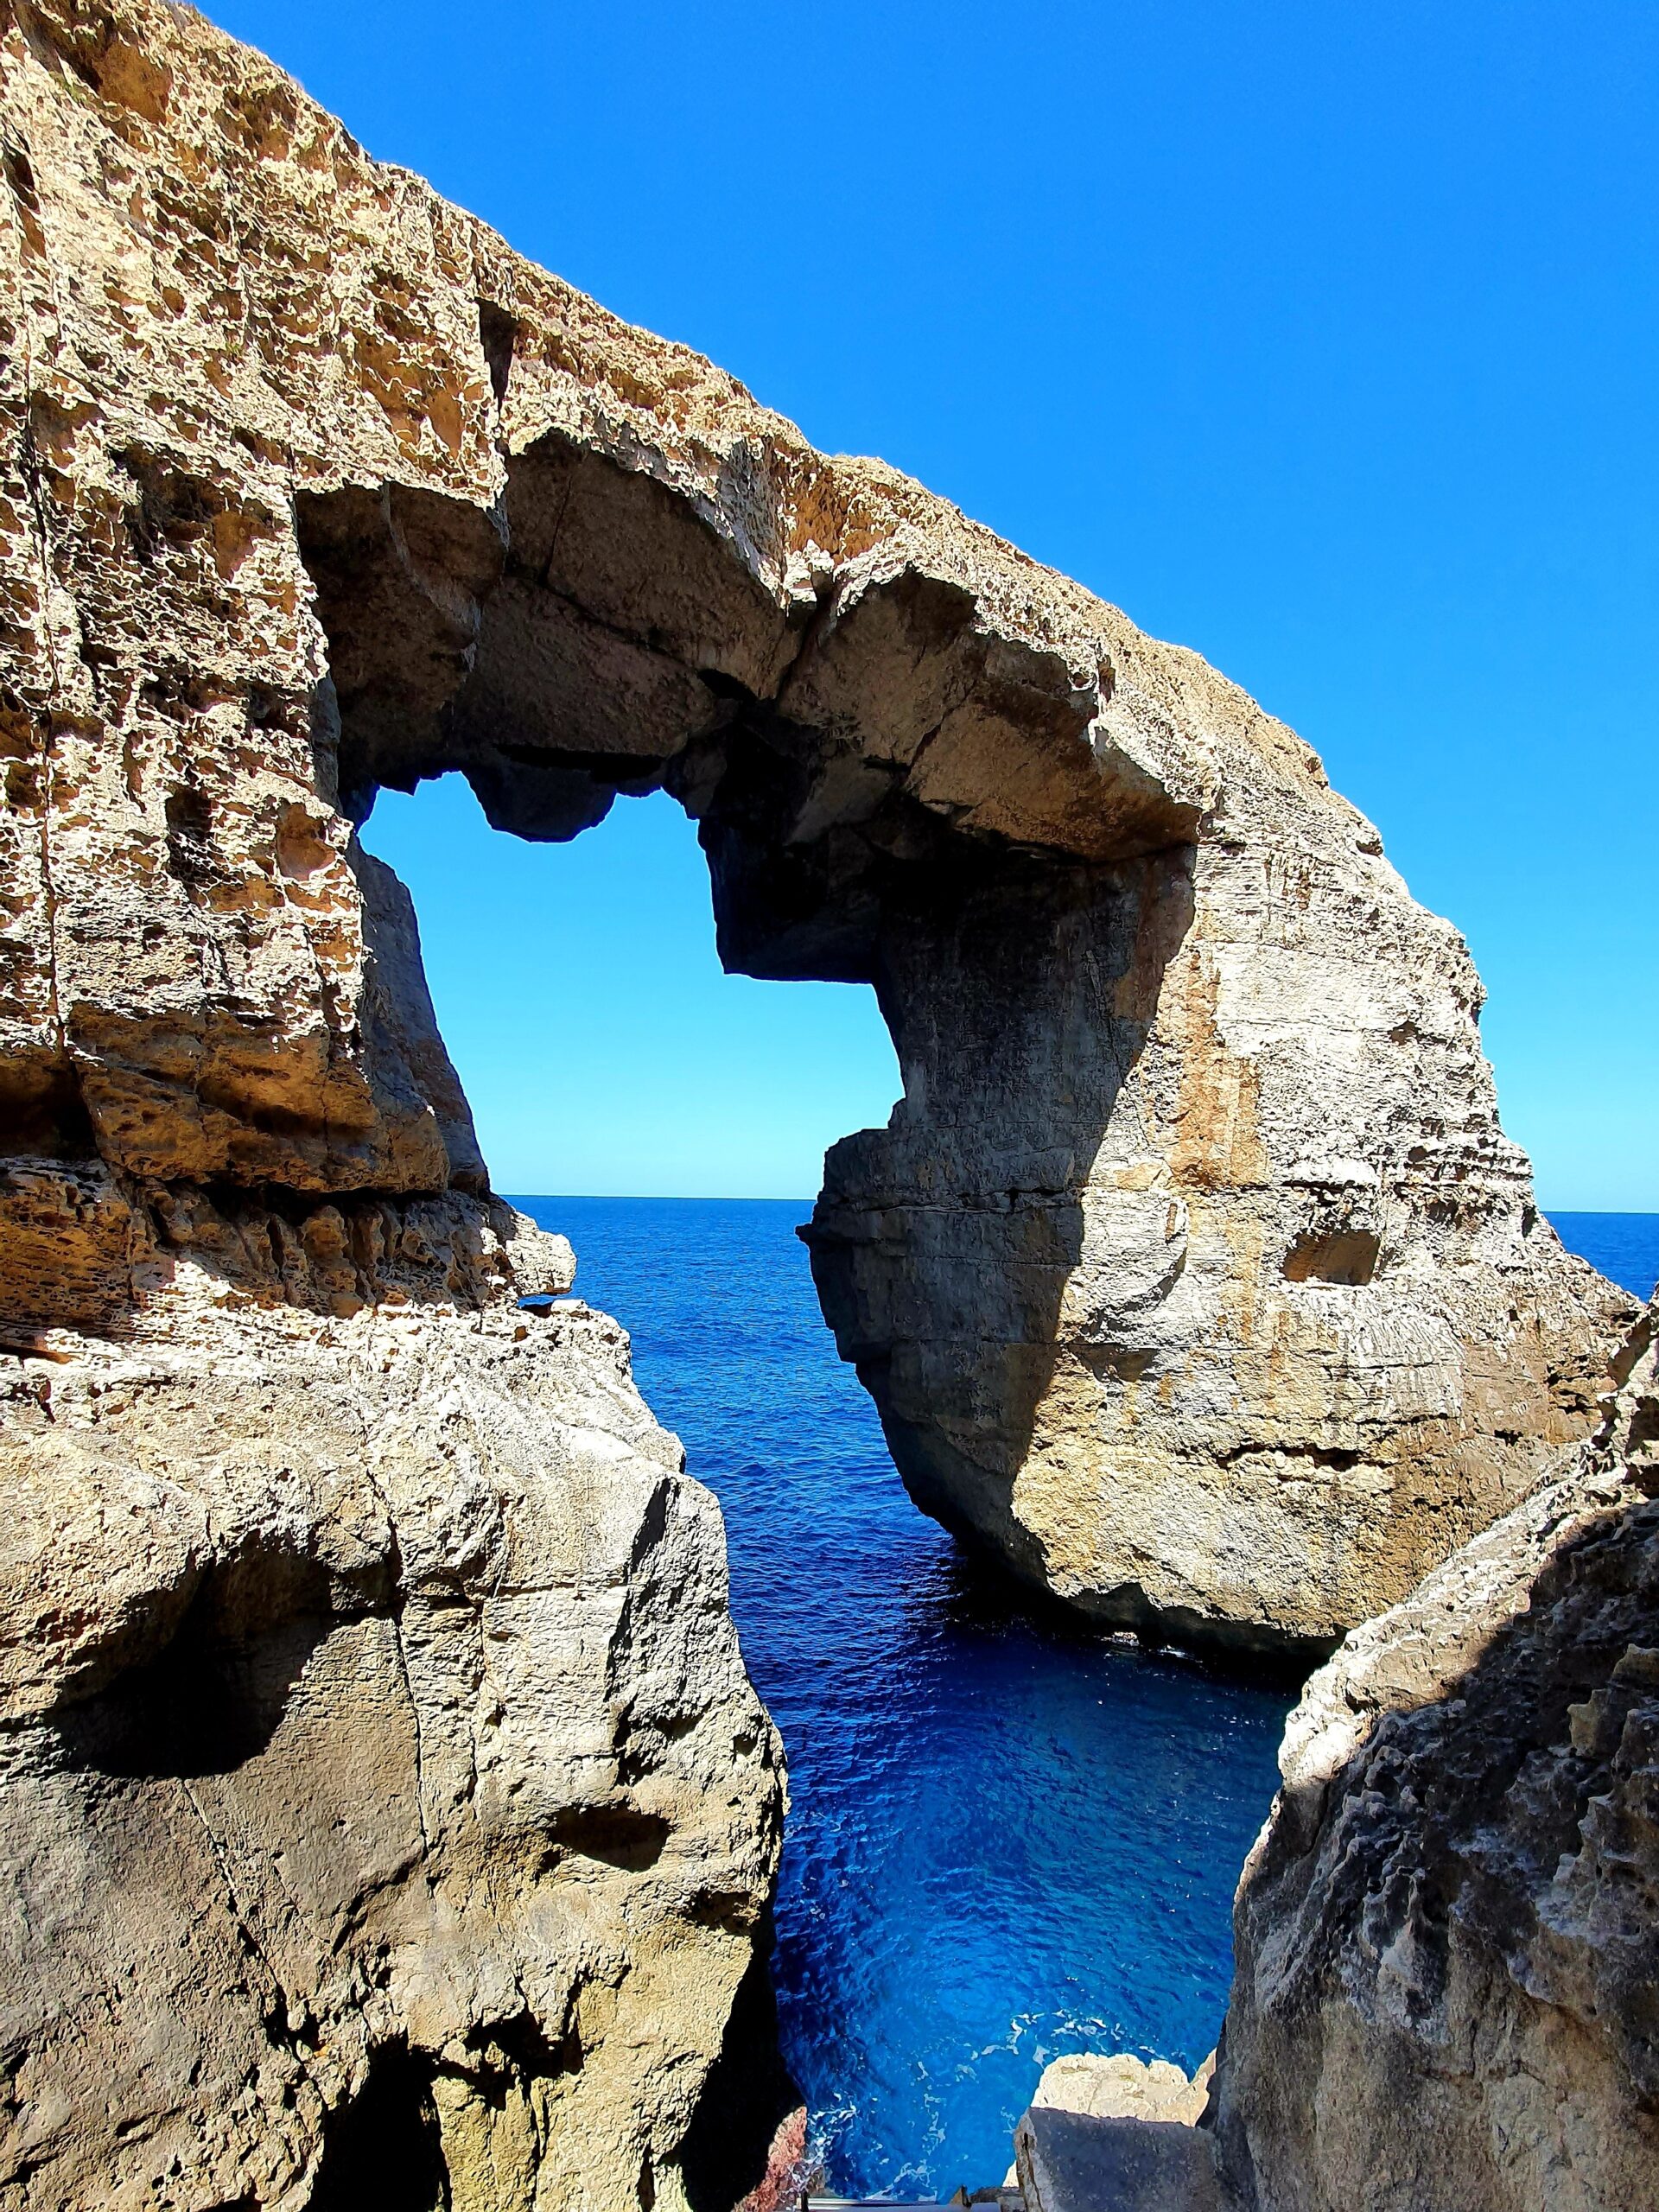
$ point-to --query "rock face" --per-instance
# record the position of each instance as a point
(387, 1816)
(1122, 2087)
(1194, 1273)
(1447, 1937)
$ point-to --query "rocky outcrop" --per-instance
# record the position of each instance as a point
(387, 1813)
(1123, 2087)
(1116, 2135)
(387, 1816)
(1447, 1995)
(1447, 1937)
(1194, 1273)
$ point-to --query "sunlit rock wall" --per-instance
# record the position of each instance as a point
(1447, 1985)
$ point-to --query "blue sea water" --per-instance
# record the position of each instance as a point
(1008, 1839)
(1623, 1246)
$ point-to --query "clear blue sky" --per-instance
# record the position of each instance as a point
(1321, 339)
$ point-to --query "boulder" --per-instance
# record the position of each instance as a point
(1117, 2135)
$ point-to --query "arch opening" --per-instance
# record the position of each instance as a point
(889, 788)
(603, 1049)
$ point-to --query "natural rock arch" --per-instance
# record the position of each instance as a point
(1179, 1051)
(1115, 1280)
(1194, 1273)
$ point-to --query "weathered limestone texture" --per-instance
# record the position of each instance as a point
(385, 1807)
(1122, 2087)
(1193, 1272)
(1448, 1987)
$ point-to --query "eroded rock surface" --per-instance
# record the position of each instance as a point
(1194, 1273)
(1448, 1984)
(380, 1769)
(388, 1817)
(1120, 2086)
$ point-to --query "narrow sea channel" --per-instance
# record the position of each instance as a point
(1009, 1838)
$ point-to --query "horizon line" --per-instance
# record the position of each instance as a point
(667, 1198)
(751, 1198)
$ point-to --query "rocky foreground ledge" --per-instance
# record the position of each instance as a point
(387, 1814)
(386, 1818)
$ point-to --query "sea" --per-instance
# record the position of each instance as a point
(1009, 1837)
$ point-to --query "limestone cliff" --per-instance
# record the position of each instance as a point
(1448, 1984)
(380, 1766)
(387, 1816)
(1194, 1273)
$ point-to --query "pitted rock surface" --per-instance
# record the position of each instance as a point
(384, 1799)
(380, 1766)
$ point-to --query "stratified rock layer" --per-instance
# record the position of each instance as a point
(1193, 1274)
(387, 1816)
(1447, 1937)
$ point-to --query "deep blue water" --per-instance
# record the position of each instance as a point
(1008, 1839)
(1624, 1246)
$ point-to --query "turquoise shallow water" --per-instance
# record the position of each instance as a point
(1009, 1838)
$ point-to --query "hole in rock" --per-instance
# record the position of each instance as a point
(1348, 1255)
(189, 828)
(618, 1835)
(43, 1113)
(384, 2148)
(893, 806)
(602, 1047)
(499, 334)
(215, 1694)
